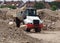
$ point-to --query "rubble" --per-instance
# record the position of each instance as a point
(12, 34)
(9, 33)
(50, 18)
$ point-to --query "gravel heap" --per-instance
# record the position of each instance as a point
(12, 34)
(51, 19)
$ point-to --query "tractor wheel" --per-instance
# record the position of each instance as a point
(17, 22)
(37, 30)
(28, 30)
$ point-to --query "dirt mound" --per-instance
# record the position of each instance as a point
(3, 14)
(8, 13)
(12, 34)
(50, 18)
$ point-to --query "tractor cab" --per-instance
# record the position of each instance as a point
(30, 12)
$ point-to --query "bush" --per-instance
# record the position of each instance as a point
(54, 8)
(57, 4)
(39, 5)
(12, 7)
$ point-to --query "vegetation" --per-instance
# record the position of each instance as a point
(39, 5)
(11, 7)
(54, 7)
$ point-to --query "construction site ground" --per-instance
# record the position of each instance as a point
(47, 36)
(11, 34)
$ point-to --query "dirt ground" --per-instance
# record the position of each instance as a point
(12, 34)
(47, 36)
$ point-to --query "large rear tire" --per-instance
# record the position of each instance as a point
(37, 30)
(17, 22)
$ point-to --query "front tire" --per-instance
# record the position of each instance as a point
(37, 30)
(28, 30)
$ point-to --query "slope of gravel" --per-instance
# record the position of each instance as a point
(51, 19)
(47, 36)
(12, 34)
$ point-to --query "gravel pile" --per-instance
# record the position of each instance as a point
(12, 34)
(51, 19)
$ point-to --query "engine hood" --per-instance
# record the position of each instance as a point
(33, 18)
(29, 19)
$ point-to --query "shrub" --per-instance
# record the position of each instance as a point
(57, 4)
(12, 7)
(54, 8)
(39, 5)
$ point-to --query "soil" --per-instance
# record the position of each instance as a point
(12, 34)
(47, 36)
